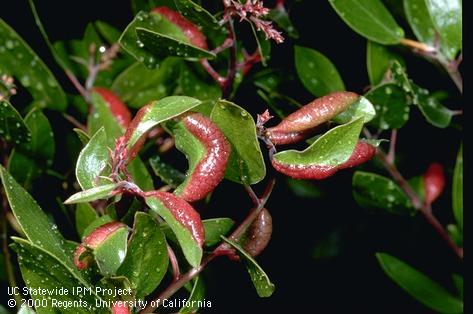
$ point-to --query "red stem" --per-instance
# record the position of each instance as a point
(174, 264)
(416, 202)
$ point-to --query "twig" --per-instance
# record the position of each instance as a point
(432, 53)
(417, 203)
(224, 247)
(228, 83)
(427, 212)
(392, 147)
(74, 121)
(77, 85)
(417, 45)
(176, 273)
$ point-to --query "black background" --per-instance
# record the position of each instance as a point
(351, 282)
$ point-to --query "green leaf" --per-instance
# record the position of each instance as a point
(111, 253)
(316, 72)
(456, 234)
(417, 183)
(19, 60)
(197, 85)
(331, 149)
(419, 19)
(281, 18)
(264, 287)
(32, 220)
(104, 117)
(215, 228)
(29, 160)
(457, 190)
(399, 76)
(166, 172)
(12, 127)
(447, 18)
(191, 249)
(434, 112)
(107, 31)
(163, 44)
(362, 108)
(197, 14)
(160, 111)
(93, 161)
(150, 36)
(82, 135)
(42, 270)
(147, 259)
(195, 298)
(392, 107)
(95, 224)
(419, 285)
(140, 174)
(379, 60)
(93, 194)
(85, 214)
(263, 44)
(373, 191)
(370, 19)
(160, 82)
(246, 163)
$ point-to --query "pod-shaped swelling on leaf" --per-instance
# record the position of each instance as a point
(117, 107)
(285, 138)
(434, 182)
(259, 233)
(315, 113)
(362, 153)
(93, 240)
(190, 30)
(195, 132)
(183, 212)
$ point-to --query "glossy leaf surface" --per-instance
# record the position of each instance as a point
(331, 149)
(373, 191)
(418, 285)
(316, 72)
(246, 164)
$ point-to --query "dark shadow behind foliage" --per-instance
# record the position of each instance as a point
(351, 281)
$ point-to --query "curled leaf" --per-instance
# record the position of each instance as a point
(208, 152)
(184, 221)
(316, 112)
(116, 106)
(259, 233)
(434, 182)
(362, 153)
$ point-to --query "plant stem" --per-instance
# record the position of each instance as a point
(417, 45)
(228, 83)
(418, 204)
(235, 236)
(174, 264)
(433, 53)
(427, 212)
(74, 122)
(392, 147)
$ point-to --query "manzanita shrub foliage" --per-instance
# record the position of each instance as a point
(165, 86)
